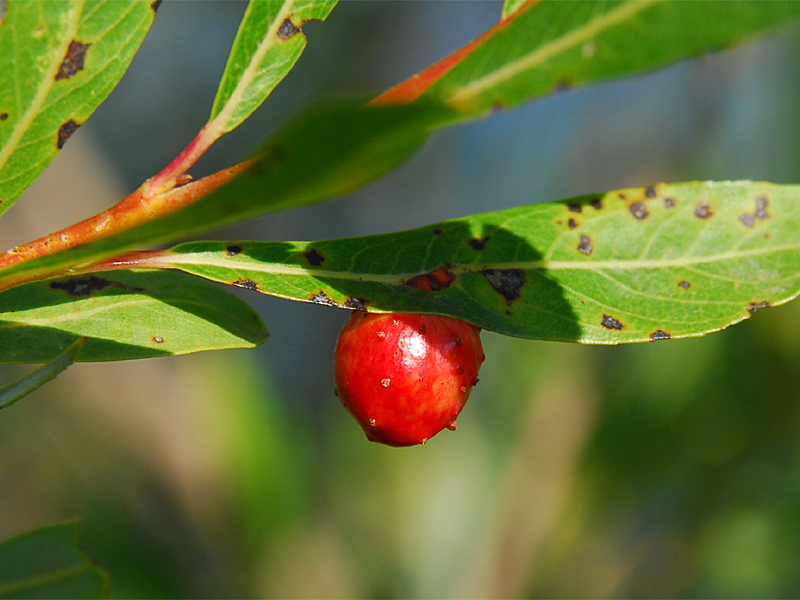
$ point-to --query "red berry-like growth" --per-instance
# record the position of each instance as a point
(406, 377)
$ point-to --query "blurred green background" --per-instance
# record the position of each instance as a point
(655, 470)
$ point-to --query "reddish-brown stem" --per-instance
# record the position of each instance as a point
(413, 87)
(134, 210)
(169, 176)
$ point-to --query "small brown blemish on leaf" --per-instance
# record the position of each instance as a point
(610, 322)
(703, 211)
(507, 282)
(247, 284)
(435, 281)
(233, 250)
(755, 306)
(659, 334)
(638, 210)
(479, 243)
(747, 219)
(650, 191)
(158, 339)
(761, 208)
(287, 29)
(155, 4)
(572, 224)
(3, 116)
(322, 298)
(437, 231)
(585, 246)
(596, 203)
(73, 61)
(314, 257)
(669, 203)
(685, 285)
(65, 132)
(574, 207)
(621, 196)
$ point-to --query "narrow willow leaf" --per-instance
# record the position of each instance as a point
(641, 264)
(33, 381)
(326, 152)
(58, 61)
(554, 44)
(267, 46)
(124, 315)
(46, 563)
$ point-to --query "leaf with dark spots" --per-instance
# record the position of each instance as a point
(622, 196)
(703, 211)
(73, 61)
(650, 191)
(610, 322)
(247, 284)
(507, 282)
(3, 116)
(437, 231)
(287, 29)
(747, 219)
(356, 304)
(669, 203)
(435, 281)
(314, 257)
(572, 224)
(755, 306)
(81, 286)
(479, 243)
(639, 210)
(585, 246)
(761, 208)
(65, 132)
(233, 250)
(322, 298)
(576, 208)
(596, 203)
(659, 334)
(685, 285)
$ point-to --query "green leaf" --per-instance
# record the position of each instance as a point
(267, 46)
(60, 59)
(562, 44)
(632, 265)
(124, 315)
(512, 6)
(326, 152)
(11, 393)
(46, 563)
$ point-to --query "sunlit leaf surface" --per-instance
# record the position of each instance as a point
(124, 315)
(46, 563)
(633, 265)
(58, 61)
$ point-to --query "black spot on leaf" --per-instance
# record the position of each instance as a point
(287, 29)
(572, 224)
(356, 304)
(638, 210)
(659, 335)
(755, 306)
(479, 243)
(685, 285)
(576, 208)
(247, 284)
(3, 116)
(669, 203)
(610, 322)
(80, 286)
(233, 250)
(761, 208)
(585, 246)
(507, 282)
(322, 298)
(650, 191)
(65, 132)
(314, 257)
(437, 231)
(73, 61)
(596, 203)
(621, 196)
